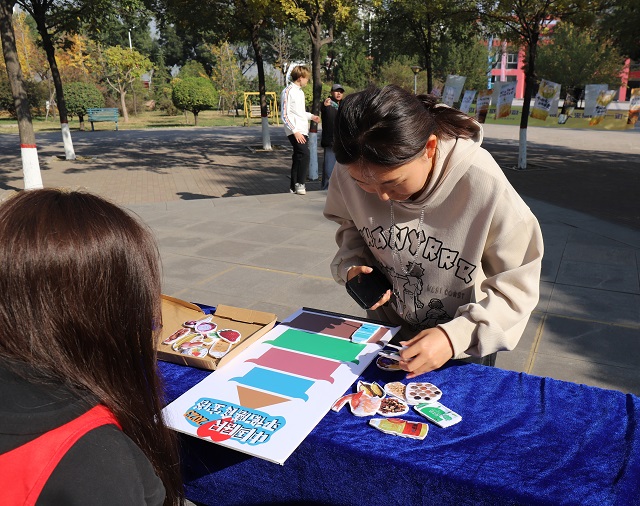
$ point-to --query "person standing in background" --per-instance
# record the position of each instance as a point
(329, 113)
(296, 125)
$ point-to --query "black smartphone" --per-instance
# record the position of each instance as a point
(367, 289)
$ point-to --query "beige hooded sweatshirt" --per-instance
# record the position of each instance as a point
(473, 267)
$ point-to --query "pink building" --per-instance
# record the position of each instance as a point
(510, 66)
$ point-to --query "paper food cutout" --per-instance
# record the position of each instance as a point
(396, 389)
(229, 335)
(400, 427)
(194, 345)
(388, 364)
(205, 327)
(417, 393)
(364, 405)
(341, 402)
(439, 414)
(177, 335)
(371, 389)
(199, 338)
(392, 406)
(220, 348)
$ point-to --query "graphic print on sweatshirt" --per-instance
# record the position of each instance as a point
(411, 291)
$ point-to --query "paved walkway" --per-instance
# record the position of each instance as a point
(269, 250)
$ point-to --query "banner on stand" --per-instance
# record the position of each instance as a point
(634, 106)
(591, 92)
(602, 102)
(467, 100)
(482, 105)
(505, 99)
(542, 105)
(452, 89)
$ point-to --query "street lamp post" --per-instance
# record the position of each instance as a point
(416, 70)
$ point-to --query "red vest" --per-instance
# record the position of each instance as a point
(26, 469)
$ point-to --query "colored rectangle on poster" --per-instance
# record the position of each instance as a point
(325, 324)
(297, 363)
(276, 382)
(318, 345)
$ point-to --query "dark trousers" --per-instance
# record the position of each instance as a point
(300, 161)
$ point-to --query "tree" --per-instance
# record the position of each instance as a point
(28, 150)
(192, 68)
(232, 20)
(226, 74)
(194, 94)
(35, 95)
(525, 21)
(122, 67)
(56, 17)
(320, 18)
(423, 27)
(81, 96)
(575, 57)
(619, 23)
(353, 62)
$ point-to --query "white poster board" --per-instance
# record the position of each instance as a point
(591, 93)
(452, 89)
(267, 399)
(467, 100)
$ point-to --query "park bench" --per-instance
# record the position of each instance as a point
(96, 114)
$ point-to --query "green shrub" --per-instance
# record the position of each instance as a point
(81, 96)
(194, 94)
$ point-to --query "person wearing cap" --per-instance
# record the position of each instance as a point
(329, 112)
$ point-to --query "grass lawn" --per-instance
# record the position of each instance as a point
(614, 120)
(147, 119)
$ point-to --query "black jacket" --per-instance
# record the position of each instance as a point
(104, 467)
(328, 116)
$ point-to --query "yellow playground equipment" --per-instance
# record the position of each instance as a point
(252, 106)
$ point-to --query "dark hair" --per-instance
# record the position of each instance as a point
(390, 126)
(80, 285)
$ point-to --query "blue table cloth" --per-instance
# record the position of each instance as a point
(522, 440)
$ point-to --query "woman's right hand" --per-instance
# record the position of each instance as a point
(365, 269)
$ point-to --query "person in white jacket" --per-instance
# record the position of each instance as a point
(415, 194)
(296, 125)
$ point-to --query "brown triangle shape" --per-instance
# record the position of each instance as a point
(250, 398)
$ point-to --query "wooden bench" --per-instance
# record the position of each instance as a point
(96, 114)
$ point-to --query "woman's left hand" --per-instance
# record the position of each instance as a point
(427, 351)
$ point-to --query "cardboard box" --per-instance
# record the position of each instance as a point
(251, 324)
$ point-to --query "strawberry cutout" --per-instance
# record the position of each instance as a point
(229, 335)
(212, 429)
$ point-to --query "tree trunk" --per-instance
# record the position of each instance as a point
(123, 104)
(39, 15)
(262, 87)
(195, 118)
(28, 150)
(315, 32)
(530, 84)
(428, 59)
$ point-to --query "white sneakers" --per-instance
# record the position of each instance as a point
(300, 189)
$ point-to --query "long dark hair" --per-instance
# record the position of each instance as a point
(390, 126)
(80, 286)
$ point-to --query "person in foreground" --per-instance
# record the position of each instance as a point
(415, 194)
(80, 419)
